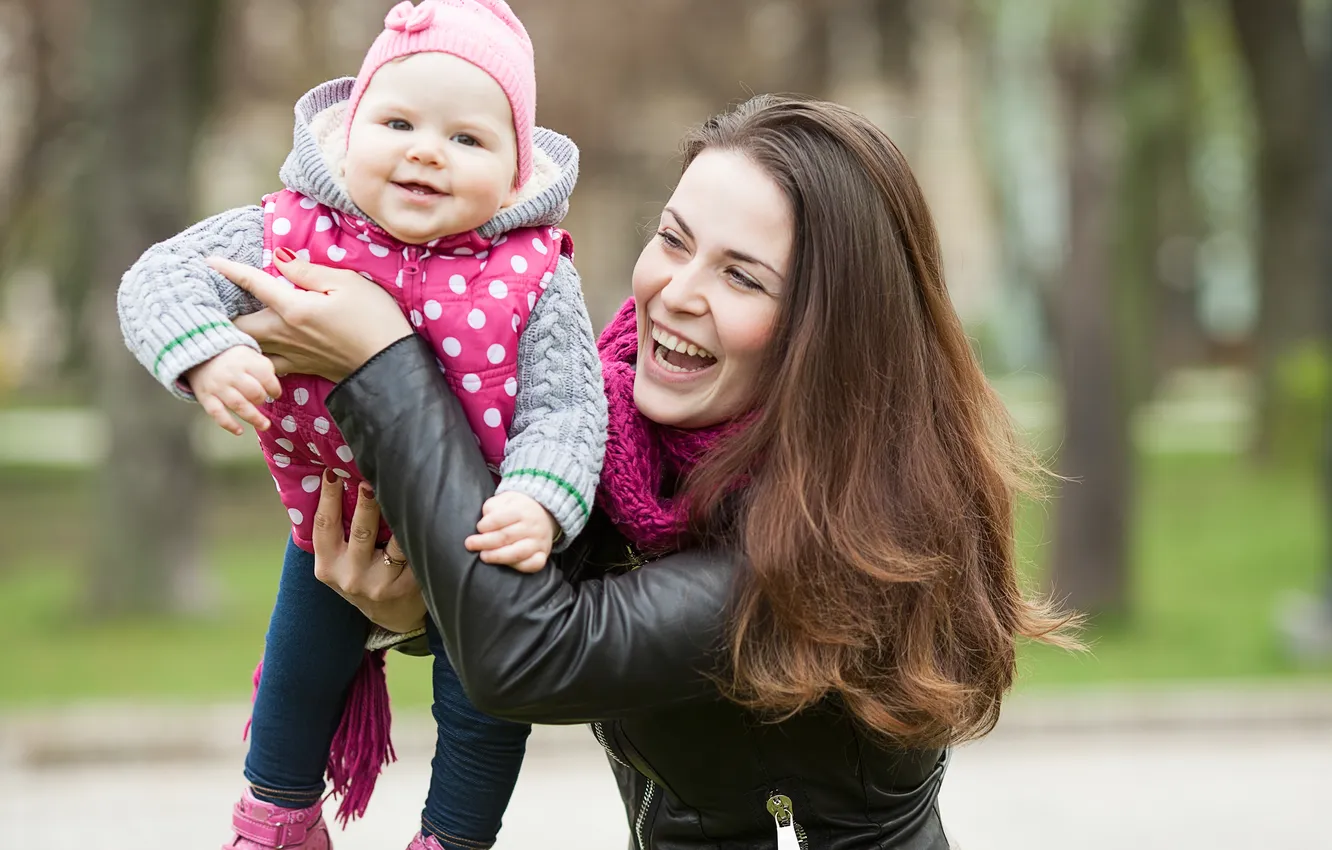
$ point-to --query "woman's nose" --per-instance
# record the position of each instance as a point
(683, 293)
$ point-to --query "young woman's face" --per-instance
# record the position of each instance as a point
(707, 288)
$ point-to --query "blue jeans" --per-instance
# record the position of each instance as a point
(313, 649)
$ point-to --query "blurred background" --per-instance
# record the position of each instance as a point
(1133, 197)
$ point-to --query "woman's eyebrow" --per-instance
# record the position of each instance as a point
(729, 252)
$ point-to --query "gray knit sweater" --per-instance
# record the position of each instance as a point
(175, 312)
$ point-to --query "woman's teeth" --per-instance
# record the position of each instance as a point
(670, 351)
(671, 342)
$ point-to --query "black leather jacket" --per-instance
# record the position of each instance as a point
(626, 650)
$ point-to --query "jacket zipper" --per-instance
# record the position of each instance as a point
(639, 822)
(409, 271)
(649, 792)
(599, 730)
(790, 835)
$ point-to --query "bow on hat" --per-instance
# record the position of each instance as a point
(405, 17)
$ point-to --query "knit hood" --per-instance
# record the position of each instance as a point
(313, 167)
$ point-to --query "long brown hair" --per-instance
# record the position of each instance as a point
(877, 523)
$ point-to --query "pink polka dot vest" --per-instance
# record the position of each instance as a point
(468, 295)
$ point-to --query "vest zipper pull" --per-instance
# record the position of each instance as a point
(779, 806)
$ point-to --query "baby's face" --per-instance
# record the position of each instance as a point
(432, 150)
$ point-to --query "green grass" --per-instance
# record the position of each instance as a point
(1217, 545)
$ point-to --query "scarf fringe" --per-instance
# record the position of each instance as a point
(362, 745)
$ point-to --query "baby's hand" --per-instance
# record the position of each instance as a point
(516, 531)
(237, 380)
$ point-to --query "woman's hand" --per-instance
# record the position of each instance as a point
(329, 324)
(377, 581)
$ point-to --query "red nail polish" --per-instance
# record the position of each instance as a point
(329, 477)
(284, 254)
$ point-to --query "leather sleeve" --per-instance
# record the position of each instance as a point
(534, 647)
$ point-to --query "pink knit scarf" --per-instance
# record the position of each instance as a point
(640, 454)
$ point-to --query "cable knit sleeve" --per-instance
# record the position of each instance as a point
(175, 312)
(558, 435)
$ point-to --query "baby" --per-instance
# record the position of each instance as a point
(427, 175)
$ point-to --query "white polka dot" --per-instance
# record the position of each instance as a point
(281, 461)
(407, 254)
(500, 241)
(288, 424)
(476, 319)
(432, 243)
(336, 253)
(336, 218)
(531, 300)
(511, 386)
(270, 207)
(276, 484)
(310, 483)
(451, 346)
(483, 255)
(303, 254)
(379, 250)
(281, 226)
(471, 382)
(345, 453)
(539, 245)
(546, 279)
(482, 267)
(498, 289)
(323, 223)
(495, 354)
(417, 319)
(300, 395)
(314, 450)
(268, 258)
(398, 279)
(458, 284)
(296, 516)
(491, 417)
(519, 263)
(308, 203)
(341, 473)
(286, 444)
(433, 310)
(321, 425)
(369, 277)
(463, 252)
(515, 323)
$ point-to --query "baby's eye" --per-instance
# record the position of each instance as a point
(397, 124)
(469, 141)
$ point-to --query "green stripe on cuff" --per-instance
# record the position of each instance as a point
(180, 340)
(564, 485)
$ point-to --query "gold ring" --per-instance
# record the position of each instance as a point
(390, 561)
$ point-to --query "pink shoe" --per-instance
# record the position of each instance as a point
(264, 826)
(423, 841)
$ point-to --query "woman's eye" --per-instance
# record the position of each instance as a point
(469, 141)
(397, 124)
(745, 281)
(669, 239)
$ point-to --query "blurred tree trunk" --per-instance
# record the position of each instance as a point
(1284, 86)
(1158, 313)
(148, 85)
(1090, 569)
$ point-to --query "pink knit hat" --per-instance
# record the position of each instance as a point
(483, 32)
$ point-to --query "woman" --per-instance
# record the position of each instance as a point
(799, 586)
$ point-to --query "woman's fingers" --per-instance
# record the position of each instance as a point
(260, 284)
(304, 274)
(364, 526)
(328, 543)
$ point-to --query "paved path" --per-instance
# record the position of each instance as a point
(1089, 791)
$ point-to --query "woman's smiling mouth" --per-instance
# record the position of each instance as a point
(678, 355)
